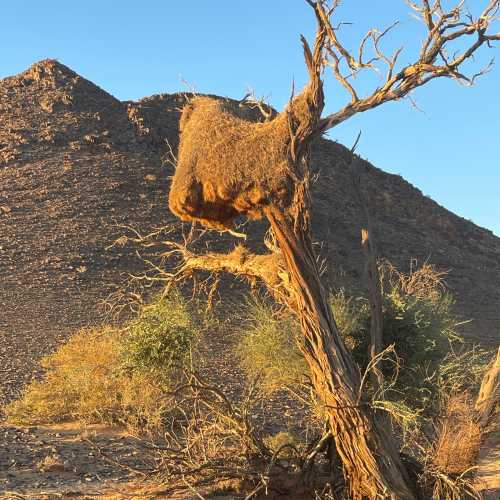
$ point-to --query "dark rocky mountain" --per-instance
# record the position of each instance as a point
(75, 163)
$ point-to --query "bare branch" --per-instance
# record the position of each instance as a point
(239, 262)
(261, 104)
(444, 28)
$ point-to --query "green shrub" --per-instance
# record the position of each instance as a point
(351, 317)
(268, 349)
(417, 316)
(160, 338)
(417, 320)
(463, 370)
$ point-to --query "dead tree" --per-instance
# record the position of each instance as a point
(229, 167)
(371, 270)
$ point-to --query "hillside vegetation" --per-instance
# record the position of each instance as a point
(144, 376)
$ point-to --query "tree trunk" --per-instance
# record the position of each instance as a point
(375, 299)
(369, 456)
(489, 394)
(372, 274)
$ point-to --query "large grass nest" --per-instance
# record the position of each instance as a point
(228, 165)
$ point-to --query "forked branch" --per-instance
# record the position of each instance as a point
(440, 54)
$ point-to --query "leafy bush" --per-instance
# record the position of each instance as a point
(417, 320)
(419, 323)
(417, 317)
(269, 349)
(113, 375)
(351, 316)
(160, 339)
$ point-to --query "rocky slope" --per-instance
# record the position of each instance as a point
(75, 163)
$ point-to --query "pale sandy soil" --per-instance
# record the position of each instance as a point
(83, 462)
(68, 460)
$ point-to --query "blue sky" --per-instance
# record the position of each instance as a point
(137, 48)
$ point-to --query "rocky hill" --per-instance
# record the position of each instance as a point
(75, 163)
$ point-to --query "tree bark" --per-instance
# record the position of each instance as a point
(489, 394)
(369, 456)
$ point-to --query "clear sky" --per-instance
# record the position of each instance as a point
(133, 48)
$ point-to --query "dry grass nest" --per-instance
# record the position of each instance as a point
(228, 165)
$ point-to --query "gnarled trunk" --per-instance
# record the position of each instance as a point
(369, 456)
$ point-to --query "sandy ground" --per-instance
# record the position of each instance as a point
(77, 461)
(95, 461)
(69, 460)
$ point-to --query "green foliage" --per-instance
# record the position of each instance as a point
(417, 322)
(268, 349)
(160, 339)
(417, 319)
(463, 370)
(351, 316)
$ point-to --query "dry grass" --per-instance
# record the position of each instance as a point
(85, 380)
(450, 460)
(115, 375)
(423, 282)
(459, 437)
(268, 349)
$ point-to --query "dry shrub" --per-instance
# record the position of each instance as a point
(85, 381)
(458, 437)
(286, 441)
(209, 441)
(448, 454)
(215, 446)
(228, 165)
(424, 282)
(449, 458)
(268, 350)
(114, 375)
